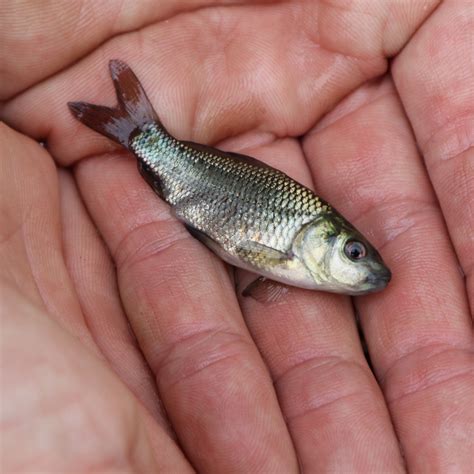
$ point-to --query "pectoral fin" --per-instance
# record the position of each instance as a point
(260, 255)
(261, 289)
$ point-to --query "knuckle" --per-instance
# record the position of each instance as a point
(217, 350)
(430, 367)
(149, 240)
(321, 382)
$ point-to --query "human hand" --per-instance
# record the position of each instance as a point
(245, 386)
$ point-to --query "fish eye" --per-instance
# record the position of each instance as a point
(355, 250)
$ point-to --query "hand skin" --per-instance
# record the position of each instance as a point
(124, 345)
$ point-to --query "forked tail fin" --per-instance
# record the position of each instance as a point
(133, 111)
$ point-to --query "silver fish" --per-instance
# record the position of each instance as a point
(252, 215)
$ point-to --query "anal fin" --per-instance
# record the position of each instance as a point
(151, 178)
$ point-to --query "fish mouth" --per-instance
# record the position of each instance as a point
(378, 280)
(374, 282)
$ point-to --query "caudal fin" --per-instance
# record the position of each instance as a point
(133, 111)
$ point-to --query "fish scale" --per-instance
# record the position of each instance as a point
(224, 197)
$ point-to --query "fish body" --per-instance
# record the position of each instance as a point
(250, 214)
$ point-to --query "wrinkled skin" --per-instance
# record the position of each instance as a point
(124, 345)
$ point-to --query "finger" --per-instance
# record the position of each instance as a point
(418, 330)
(327, 392)
(30, 244)
(94, 278)
(62, 407)
(436, 88)
(224, 71)
(80, 24)
(182, 307)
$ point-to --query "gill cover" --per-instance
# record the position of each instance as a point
(313, 246)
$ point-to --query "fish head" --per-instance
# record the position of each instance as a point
(339, 258)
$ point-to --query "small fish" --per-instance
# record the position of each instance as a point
(252, 215)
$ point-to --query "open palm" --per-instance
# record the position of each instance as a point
(126, 344)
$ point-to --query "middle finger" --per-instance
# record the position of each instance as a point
(332, 404)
